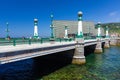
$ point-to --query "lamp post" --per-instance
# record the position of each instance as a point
(52, 26)
(66, 33)
(99, 30)
(107, 34)
(36, 28)
(80, 32)
(7, 30)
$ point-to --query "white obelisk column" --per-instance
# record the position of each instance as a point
(66, 33)
(80, 32)
(107, 34)
(99, 30)
(35, 28)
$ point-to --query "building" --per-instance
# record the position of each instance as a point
(72, 26)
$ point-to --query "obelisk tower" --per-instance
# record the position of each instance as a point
(79, 57)
(66, 32)
(107, 34)
(99, 30)
(7, 30)
(80, 32)
(35, 28)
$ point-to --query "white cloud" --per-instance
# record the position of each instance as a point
(114, 13)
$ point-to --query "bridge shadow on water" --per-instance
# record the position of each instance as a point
(45, 65)
(89, 49)
(33, 69)
(36, 68)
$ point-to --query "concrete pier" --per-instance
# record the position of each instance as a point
(98, 48)
(107, 45)
(79, 57)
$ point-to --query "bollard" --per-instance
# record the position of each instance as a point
(14, 42)
(29, 42)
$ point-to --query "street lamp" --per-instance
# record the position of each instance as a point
(107, 34)
(7, 30)
(36, 28)
(80, 32)
(99, 31)
(52, 26)
(66, 33)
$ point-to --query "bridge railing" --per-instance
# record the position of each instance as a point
(90, 40)
(15, 42)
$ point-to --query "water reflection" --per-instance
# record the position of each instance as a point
(107, 64)
(21, 70)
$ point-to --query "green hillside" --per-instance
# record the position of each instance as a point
(113, 27)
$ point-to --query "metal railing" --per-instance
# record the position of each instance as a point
(20, 41)
(15, 42)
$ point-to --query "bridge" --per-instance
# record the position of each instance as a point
(11, 53)
(16, 50)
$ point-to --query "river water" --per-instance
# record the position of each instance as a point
(104, 66)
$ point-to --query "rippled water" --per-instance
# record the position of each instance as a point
(105, 66)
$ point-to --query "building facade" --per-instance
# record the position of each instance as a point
(72, 26)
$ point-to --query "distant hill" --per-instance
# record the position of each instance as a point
(113, 27)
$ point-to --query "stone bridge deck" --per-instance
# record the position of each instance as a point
(20, 52)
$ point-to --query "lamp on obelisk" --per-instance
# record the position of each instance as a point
(7, 31)
(80, 32)
(99, 30)
(52, 27)
(107, 34)
(36, 28)
(66, 32)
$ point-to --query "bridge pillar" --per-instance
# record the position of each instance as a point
(79, 57)
(107, 45)
(98, 48)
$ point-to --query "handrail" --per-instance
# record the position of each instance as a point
(15, 42)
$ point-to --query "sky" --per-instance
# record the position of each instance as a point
(20, 14)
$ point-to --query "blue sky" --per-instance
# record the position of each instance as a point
(20, 14)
